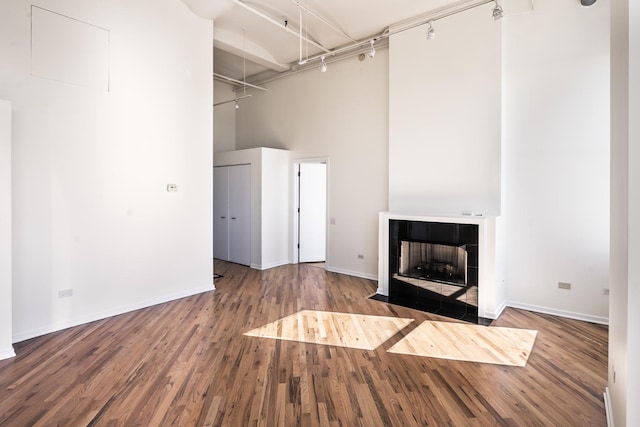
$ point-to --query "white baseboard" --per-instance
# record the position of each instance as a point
(7, 353)
(497, 313)
(560, 313)
(268, 266)
(353, 273)
(607, 407)
(108, 313)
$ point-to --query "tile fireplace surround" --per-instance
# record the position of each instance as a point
(490, 284)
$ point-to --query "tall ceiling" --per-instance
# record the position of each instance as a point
(262, 37)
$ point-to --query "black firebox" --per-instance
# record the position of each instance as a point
(433, 267)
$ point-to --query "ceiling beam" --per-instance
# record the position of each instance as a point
(237, 45)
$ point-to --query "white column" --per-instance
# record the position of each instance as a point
(6, 349)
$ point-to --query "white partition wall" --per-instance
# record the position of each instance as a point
(6, 349)
(624, 326)
(269, 202)
(95, 231)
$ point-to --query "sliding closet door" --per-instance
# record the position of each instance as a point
(221, 213)
(240, 214)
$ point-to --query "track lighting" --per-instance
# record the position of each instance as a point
(372, 52)
(497, 11)
(431, 33)
(587, 2)
(323, 65)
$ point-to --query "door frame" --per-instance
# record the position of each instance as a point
(295, 254)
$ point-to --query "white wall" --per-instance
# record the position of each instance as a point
(444, 117)
(6, 350)
(556, 120)
(224, 118)
(342, 115)
(90, 167)
(275, 215)
(624, 329)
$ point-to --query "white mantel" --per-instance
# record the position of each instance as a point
(491, 296)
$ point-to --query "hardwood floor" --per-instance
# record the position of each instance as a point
(187, 363)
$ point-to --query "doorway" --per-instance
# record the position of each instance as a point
(310, 230)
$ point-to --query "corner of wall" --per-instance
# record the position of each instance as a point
(6, 282)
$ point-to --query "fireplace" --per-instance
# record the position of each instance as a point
(448, 265)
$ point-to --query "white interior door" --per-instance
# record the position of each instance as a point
(221, 213)
(240, 214)
(312, 213)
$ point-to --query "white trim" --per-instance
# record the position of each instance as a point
(7, 353)
(607, 407)
(294, 206)
(109, 313)
(268, 266)
(560, 313)
(497, 313)
(373, 277)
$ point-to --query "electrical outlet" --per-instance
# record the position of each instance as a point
(172, 188)
(65, 293)
(360, 256)
(332, 221)
(564, 285)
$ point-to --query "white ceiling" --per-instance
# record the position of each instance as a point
(246, 44)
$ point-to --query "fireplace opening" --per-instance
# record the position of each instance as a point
(434, 267)
(432, 261)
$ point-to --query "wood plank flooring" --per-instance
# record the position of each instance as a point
(351, 330)
(467, 342)
(187, 363)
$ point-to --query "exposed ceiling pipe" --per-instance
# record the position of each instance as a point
(230, 80)
(321, 19)
(387, 33)
(278, 24)
(300, 39)
(383, 43)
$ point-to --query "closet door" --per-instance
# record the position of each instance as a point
(221, 213)
(240, 214)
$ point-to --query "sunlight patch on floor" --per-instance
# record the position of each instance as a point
(339, 329)
(466, 342)
(443, 340)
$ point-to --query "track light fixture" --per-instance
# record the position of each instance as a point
(431, 33)
(235, 100)
(323, 65)
(359, 46)
(497, 11)
(587, 2)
